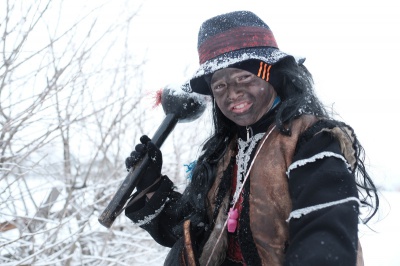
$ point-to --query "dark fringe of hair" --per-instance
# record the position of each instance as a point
(367, 190)
(296, 89)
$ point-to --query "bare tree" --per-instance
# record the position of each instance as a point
(68, 119)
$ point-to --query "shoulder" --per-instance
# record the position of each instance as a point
(328, 134)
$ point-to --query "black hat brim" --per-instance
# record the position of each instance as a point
(198, 84)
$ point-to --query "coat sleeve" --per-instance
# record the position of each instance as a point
(323, 224)
(159, 214)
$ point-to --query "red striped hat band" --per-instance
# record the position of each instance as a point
(235, 39)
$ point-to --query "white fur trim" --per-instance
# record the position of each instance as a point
(150, 217)
(314, 158)
(300, 212)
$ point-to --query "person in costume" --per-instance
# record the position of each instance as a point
(279, 182)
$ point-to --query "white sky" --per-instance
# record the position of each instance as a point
(352, 50)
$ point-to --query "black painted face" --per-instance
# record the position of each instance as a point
(242, 96)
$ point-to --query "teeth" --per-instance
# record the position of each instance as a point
(239, 106)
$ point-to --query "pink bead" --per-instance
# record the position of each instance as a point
(232, 220)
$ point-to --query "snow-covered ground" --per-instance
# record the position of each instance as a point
(379, 241)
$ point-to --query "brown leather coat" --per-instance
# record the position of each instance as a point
(269, 200)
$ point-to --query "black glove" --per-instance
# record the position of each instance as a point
(153, 171)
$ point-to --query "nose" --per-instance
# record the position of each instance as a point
(235, 91)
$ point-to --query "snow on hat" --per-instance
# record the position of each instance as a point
(229, 39)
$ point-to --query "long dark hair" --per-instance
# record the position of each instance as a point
(296, 89)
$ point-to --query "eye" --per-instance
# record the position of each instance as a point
(218, 86)
(245, 77)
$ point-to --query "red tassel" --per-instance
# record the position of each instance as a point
(157, 98)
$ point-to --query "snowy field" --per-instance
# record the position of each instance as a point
(379, 241)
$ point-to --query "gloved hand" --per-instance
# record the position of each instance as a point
(153, 171)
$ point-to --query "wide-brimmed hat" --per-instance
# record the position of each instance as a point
(229, 39)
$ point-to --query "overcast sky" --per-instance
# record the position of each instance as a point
(352, 49)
